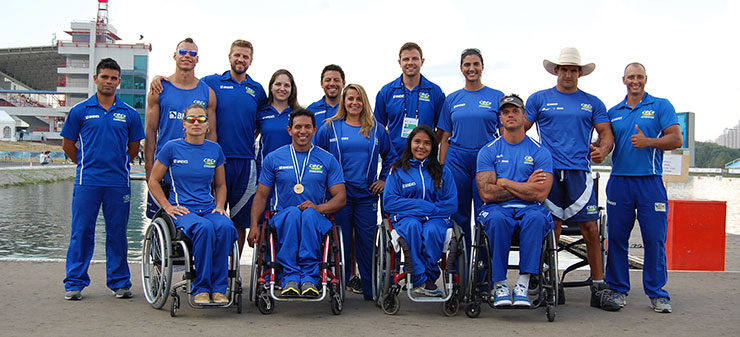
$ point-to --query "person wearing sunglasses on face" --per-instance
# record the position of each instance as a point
(164, 111)
(332, 82)
(469, 120)
(193, 163)
(354, 138)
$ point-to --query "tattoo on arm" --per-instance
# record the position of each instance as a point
(489, 187)
(522, 191)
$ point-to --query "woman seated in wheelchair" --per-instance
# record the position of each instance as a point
(514, 175)
(420, 197)
(193, 163)
(301, 175)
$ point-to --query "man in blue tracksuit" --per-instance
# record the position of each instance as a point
(514, 177)
(644, 126)
(165, 108)
(238, 100)
(409, 100)
(108, 132)
(332, 82)
(358, 156)
(301, 175)
(566, 117)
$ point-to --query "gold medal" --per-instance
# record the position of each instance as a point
(298, 188)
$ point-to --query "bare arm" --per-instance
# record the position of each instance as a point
(211, 111)
(337, 201)
(70, 149)
(671, 140)
(536, 188)
(444, 145)
(488, 190)
(133, 149)
(258, 208)
(156, 175)
(150, 131)
(219, 179)
(605, 143)
(527, 125)
(156, 84)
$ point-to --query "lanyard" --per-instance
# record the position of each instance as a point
(405, 107)
(294, 157)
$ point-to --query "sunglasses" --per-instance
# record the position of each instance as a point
(192, 119)
(183, 51)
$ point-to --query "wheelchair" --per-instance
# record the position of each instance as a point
(577, 247)
(266, 270)
(544, 285)
(389, 271)
(167, 250)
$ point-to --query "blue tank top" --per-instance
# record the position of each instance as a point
(172, 104)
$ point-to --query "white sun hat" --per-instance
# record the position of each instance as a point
(569, 56)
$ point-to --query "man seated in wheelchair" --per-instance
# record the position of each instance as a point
(420, 196)
(301, 174)
(514, 176)
(193, 163)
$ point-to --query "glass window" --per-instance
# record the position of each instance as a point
(127, 81)
(127, 98)
(139, 101)
(140, 62)
(139, 82)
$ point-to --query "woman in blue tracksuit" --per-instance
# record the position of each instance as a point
(193, 163)
(356, 140)
(469, 120)
(272, 118)
(420, 196)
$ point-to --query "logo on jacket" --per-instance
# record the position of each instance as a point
(199, 102)
(484, 104)
(127, 198)
(592, 209)
(587, 107)
(648, 114)
(424, 96)
(209, 162)
(315, 168)
(660, 207)
(175, 115)
(250, 91)
(528, 160)
(411, 184)
(179, 161)
(119, 117)
(226, 87)
(92, 116)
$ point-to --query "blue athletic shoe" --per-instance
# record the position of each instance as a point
(501, 296)
(521, 296)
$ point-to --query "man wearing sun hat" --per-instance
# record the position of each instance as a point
(566, 117)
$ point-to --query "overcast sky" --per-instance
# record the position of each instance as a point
(687, 46)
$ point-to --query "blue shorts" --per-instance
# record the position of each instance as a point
(241, 184)
(572, 196)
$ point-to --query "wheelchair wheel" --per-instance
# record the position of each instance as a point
(174, 305)
(604, 231)
(451, 307)
(550, 313)
(462, 261)
(238, 302)
(156, 264)
(473, 310)
(391, 304)
(381, 264)
(257, 262)
(479, 267)
(550, 282)
(265, 303)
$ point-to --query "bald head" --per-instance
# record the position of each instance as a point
(635, 64)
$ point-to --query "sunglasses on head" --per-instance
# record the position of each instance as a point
(192, 119)
(183, 51)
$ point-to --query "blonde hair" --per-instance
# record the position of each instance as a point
(367, 120)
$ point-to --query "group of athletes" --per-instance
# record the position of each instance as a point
(427, 156)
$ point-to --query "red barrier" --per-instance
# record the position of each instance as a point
(696, 235)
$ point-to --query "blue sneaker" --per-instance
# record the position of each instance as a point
(501, 296)
(521, 296)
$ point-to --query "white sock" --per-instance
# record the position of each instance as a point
(523, 280)
(598, 281)
(499, 284)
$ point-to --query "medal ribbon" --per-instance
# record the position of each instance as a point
(294, 157)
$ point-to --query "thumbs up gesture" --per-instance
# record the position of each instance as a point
(639, 141)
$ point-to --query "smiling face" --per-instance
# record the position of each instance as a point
(196, 128)
(107, 80)
(240, 59)
(332, 83)
(186, 62)
(410, 62)
(281, 88)
(353, 103)
(301, 131)
(472, 68)
(421, 146)
(635, 80)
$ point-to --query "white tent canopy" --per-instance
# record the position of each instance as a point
(7, 127)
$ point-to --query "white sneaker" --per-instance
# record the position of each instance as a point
(661, 305)
(501, 296)
(521, 296)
